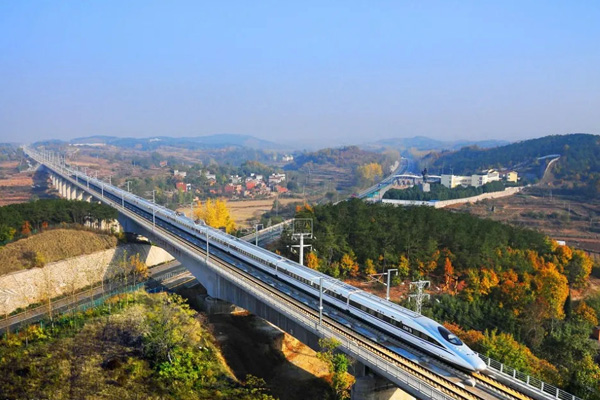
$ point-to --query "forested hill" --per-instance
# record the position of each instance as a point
(507, 286)
(580, 156)
(348, 156)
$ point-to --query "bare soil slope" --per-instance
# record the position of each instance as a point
(52, 245)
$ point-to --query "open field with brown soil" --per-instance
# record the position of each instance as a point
(15, 186)
(18, 187)
(574, 220)
(244, 211)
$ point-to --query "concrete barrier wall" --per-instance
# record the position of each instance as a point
(19, 289)
(443, 203)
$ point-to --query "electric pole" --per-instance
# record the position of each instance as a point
(419, 296)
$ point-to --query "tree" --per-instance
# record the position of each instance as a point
(216, 214)
(552, 291)
(586, 377)
(26, 228)
(138, 268)
(312, 261)
(578, 269)
(586, 314)
(7, 233)
(450, 281)
(169, 327)
(337, 363)
(370, 267)
(403, 267)
(368, 172)
(348, 265)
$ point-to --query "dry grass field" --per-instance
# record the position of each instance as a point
(53, 245)
(244, 211)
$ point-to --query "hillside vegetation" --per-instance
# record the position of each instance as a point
(50, 246)
(578, 166)
(347, 166)
(20, 220)
(495, 281)
(139, 346)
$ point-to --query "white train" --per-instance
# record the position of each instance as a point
(390, 318)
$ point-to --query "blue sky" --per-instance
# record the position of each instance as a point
(321, 73)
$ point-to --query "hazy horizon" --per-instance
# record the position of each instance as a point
(319, 74)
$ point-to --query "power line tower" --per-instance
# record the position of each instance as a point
(419, 296)
(302, 228)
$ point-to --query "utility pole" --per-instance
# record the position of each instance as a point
(387, 295)
(419, 296)
(256, 232)
(302, 228)
(320, 300)
(207, 254)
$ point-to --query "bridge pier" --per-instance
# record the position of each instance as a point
(370, 386)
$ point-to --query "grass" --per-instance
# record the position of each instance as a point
(53, 245)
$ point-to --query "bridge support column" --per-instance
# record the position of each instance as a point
(79, 194)
(87, 197)
(369, 386)
(72, 192)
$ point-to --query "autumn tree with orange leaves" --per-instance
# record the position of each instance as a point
(26, 228)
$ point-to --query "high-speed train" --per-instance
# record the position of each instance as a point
(390, 318)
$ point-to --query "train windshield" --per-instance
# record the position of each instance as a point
(449, 336)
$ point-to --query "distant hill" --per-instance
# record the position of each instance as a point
(424, 143)
(339, 164)
(578, 166)
(198, 142)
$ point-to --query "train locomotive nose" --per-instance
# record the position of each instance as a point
(478, 363)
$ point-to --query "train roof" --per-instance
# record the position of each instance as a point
(385, 305)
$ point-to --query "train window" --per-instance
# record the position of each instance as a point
(449, 336)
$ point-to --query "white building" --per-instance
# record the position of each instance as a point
(476, 180)
(276, 178)
(452, 181)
